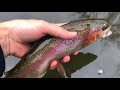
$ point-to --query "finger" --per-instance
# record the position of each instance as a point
(53, 65)
(66, 59)
(75, 53)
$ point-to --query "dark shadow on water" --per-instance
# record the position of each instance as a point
(76, 63)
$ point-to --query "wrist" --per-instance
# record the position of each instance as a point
(4, 40)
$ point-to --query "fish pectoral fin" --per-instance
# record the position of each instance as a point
(61, 70)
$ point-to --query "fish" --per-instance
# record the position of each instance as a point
(36, 62)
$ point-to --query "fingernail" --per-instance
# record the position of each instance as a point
(66, 59)
(73, 33)
(75, 53)
(53, 65)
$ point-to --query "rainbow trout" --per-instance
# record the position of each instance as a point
(36, 62)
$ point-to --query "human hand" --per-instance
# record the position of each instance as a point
(16, 36)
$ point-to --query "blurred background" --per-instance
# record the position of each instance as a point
(99, 60)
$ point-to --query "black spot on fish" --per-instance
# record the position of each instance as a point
(88, 25)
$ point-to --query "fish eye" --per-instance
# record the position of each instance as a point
(105, 27)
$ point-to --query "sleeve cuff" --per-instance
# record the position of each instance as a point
(2, 62)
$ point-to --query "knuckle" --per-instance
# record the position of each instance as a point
(42, 23)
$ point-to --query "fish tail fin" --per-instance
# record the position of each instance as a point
(6, 74)
(61, 70)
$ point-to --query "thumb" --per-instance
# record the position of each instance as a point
(54, 30)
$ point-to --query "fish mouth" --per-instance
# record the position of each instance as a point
(106, 33)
